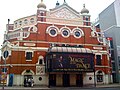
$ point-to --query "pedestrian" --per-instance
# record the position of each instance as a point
(25, 82)
(32, 82)
(29, 82)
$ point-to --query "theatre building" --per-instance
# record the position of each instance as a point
(56, 47)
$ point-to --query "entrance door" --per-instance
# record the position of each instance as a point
(66, 80)
(79, 80)
(52, 79)
(27, 80)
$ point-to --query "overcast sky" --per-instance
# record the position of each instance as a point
(15, 9)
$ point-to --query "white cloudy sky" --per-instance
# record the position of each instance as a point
(15, 9)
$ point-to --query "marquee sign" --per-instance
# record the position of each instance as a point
(70, 62)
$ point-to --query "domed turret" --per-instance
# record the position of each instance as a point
(84, 10)
(41, 5)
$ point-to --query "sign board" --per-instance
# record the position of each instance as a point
(71, 62)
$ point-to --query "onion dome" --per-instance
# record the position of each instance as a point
(84, 10)
(41, 5)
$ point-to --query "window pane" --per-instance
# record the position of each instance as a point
(111, 44)
(28, 55)
(40, 61)
(98, 59)
(65, 33)
(32, 20)
(52, 32)
(77, 34)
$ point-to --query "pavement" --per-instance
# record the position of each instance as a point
(108, 85)
(57, 88)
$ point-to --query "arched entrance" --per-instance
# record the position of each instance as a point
(100, 76)
(28, 78)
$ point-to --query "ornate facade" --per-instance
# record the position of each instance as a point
(58, 47)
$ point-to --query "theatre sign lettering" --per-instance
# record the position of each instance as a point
(78, 62)
(70, 62)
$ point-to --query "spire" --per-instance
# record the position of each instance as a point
(83, 5)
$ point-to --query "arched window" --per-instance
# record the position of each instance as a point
(20, 23)
(41, 60)
(16, 24)
(25, 21)
(32, 20)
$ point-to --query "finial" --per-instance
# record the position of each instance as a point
(84, 5)
(41, 0)
(64, 2)
(57, 4)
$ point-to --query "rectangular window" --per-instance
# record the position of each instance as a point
(111, 43)
(113, 66)
(87, 24)
(4, 69)
(41, 14)
(42, 19)
(112, 55)
(119, 61)
(98, 59)
(28, 55)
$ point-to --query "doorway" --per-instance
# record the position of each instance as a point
(66, 80)
(79, 80)
(27, 80)
(52, 79)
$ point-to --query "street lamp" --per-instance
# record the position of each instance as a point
(5, 55)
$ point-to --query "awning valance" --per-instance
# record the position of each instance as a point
(70, 50)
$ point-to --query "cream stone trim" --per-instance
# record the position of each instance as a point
(78, 25)
(25, 72)
(94, 45)
(29, 48)
(103, 66)
(12, 65)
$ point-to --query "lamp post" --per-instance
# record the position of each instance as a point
(5, 55)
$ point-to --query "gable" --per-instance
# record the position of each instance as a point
(65, 12)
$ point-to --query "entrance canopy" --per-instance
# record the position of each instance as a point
(70, 50)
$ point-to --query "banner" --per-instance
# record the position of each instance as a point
(71, 62)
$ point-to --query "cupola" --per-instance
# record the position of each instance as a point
(41, 5)
(84, 10)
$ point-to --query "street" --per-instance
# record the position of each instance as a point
(59, 88)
